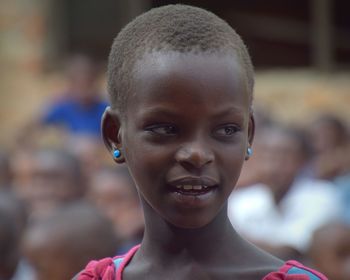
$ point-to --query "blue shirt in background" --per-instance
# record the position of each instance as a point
(75, 117)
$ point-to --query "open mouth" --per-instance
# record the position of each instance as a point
(192, 189)
(193, 186)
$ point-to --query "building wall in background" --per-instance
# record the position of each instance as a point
(36, 36)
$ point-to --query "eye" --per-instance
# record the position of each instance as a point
(226, 130)
(162, 129)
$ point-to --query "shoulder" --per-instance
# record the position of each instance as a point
(294, 270)
(107, 268)
(101, 269)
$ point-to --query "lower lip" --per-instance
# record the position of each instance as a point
(194, 200)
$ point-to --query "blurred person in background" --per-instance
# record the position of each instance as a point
(331, 160)
(329, 137)
(62, 243)
(74, 112)
(330, 250)
(114, 192)
(81, 106)
(12, 225)
(15, 208)
(5, 170)
(21, 164)
(9, 253)
(330, 247)
(90, 152)
(281, 212)
(54, 178)
(343, 185)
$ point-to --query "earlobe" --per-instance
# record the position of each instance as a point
(111, 130)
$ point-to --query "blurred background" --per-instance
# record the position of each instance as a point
(53, 166)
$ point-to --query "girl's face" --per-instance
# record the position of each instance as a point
(185, 133)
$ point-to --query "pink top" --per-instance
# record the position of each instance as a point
(112, 269)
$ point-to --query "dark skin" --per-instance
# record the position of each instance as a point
(188, 122)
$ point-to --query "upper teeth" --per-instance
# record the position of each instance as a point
(191, 187)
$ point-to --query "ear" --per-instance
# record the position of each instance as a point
(251, 129)
(251, 133)
(111, 131)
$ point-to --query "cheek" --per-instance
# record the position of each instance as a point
(144, 157)
(146, 161)
(233, 152)
(230, 161)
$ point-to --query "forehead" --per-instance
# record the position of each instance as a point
(163, 63)
(161, 72)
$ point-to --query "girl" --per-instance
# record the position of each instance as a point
(181, 82)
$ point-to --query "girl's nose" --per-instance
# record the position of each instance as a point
(194, 155)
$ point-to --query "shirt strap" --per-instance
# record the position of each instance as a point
(294, 268)
(118, 262)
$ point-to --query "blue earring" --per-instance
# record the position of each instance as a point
(116, 153)
(249, 152)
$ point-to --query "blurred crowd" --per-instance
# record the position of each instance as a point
(292, 198)
(63, 201)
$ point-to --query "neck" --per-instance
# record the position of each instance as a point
(162, 239)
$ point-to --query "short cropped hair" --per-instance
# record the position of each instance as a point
(179, 28)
